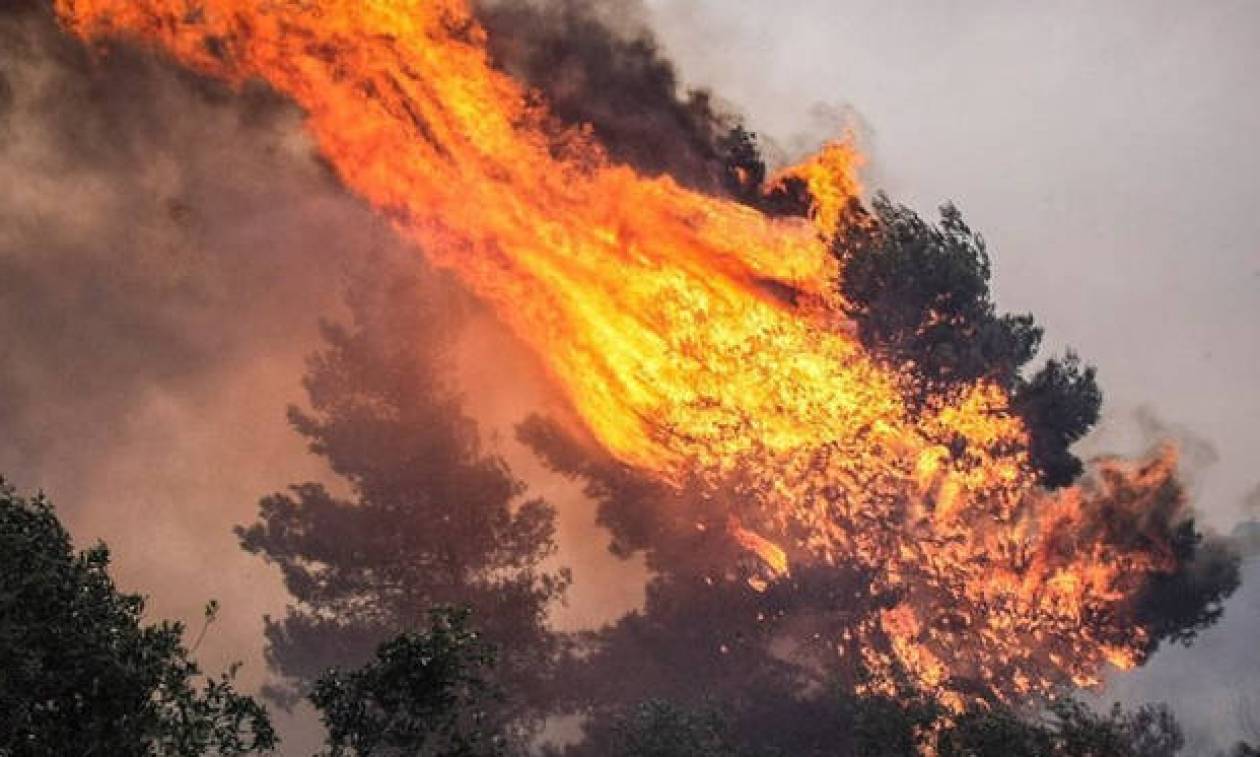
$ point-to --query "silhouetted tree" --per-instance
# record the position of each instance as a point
(81, 674)
(430, 518)
(905, 726)
(1067, 729)
(705, 637)
(1059, 404)
(428, 693)
(658, 728)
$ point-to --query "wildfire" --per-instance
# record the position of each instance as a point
(647, 304)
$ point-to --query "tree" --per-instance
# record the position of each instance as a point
(80, 673)
(1176, 605)
(704, 639)
(1066, 728)
(1059, 404)
(431, 518)
(658, 728)
(907, 725)
(920, 296)
(1078, 731)
(425, 694)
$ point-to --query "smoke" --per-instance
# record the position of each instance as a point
(1197, 454)
(1251, 504)
(166, 250)
(156, 235)
(596, 62)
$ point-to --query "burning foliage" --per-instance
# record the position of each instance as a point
(746, 400)
(920, 297)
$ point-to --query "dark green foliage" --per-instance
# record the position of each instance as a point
(907, 726)
(884, 727)
(1077, 731)
(900, 728)
(920, 296)
(660, 729)
(996, 733)
(431, 519)
(1059, 404)
(425, 694)
(80, 673)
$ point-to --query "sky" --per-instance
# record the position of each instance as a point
(1107, 151)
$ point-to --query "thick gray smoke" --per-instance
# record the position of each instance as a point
(596, 62)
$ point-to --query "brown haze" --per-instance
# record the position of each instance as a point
(167, 249)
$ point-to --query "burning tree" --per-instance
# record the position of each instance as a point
(816, 425)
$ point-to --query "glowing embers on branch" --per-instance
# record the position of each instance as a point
(653, 309)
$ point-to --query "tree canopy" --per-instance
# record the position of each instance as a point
(81, 673)
(426, 693)
(431, 519)
(920, 296)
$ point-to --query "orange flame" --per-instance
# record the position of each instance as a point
(831, 180)
(770, 553)
(647, 304)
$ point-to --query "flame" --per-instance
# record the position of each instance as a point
(647, 303)
(770, 553)
(829, 175)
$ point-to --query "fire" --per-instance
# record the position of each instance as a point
(829, 175)
(647, 303)
(770, 553)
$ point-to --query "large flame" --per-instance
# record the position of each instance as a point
(654, 309)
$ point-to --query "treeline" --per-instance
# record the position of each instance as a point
(82, 673)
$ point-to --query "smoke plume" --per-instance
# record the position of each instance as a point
(597, 63)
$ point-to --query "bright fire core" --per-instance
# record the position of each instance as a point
(649, 307)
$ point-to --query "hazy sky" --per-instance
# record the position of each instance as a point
(1107, 151)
